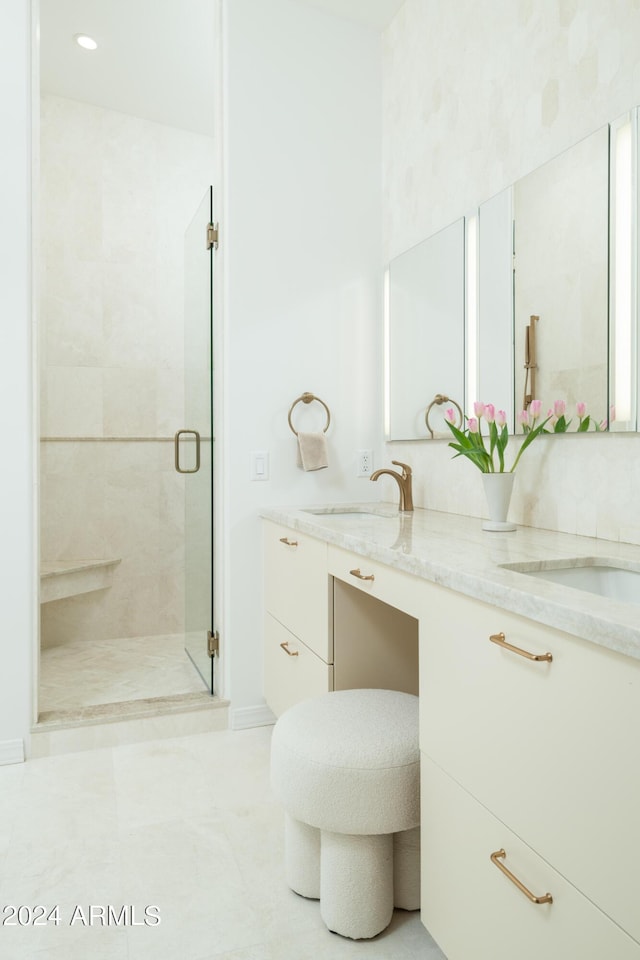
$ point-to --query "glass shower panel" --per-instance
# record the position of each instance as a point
(194, 443)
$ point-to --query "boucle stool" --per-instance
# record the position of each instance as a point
(346, 767)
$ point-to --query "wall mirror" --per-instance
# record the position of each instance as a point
(424, 333)
(560, 273)
(624, 269)
(546, 304)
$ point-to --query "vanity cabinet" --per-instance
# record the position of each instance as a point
(292, 672)
(544, 750)
(473, 911)
(296, 586)
(528, 739)
(298, 652)
(399, 590)
(333, 621)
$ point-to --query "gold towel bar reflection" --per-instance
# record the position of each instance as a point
(500, 855)
(308, 398)
(361, 576)
(500, 640)
(288, 543)
(285, 647)
(439, 399)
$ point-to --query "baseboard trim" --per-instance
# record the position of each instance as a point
(11, 751)
(258, 716)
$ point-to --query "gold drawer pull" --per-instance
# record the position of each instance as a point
(289, 653)
(288, 543)
(500, 855)
(361, 576)
(500, 640)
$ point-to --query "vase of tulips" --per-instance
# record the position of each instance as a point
(487, 452)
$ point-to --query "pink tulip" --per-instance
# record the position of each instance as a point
(449, 415)
(523, 418)
(612, 413)
(472, 425)
(534, 408)
(501, 418)
(559, 408)
(581, 409)
(489, 412)
(478, 408)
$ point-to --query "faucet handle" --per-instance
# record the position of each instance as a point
(406, 469)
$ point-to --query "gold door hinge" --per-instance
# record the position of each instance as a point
(213, 643)
(212, 236)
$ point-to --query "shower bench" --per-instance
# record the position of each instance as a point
(68, 578)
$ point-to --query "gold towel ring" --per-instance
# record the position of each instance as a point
(439, 399)
(308, 398)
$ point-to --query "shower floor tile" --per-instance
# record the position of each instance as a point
(86, 673)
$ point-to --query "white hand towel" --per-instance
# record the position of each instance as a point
(312, 451)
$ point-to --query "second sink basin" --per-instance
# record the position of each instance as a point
(348, 513)
(603, 577)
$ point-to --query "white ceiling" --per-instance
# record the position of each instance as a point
(155, 57)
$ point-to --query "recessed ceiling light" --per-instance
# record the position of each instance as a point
(86, 42)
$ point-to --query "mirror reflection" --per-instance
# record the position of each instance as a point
(560, 220)
(425, 334)
(555, 309)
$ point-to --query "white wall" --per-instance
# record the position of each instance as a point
(476, 96)
(16, 503)
(301, 235)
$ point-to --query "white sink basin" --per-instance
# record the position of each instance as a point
(603, 577)
(349, 513)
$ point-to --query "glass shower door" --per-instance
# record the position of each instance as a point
(194, 443)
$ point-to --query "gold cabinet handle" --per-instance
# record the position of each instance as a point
(288, 543)
(361, 576)
(290, 653)
(500, 640)
(500, 855)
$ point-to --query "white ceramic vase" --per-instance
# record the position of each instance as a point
(497, 489)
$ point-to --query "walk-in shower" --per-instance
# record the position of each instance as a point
(125, 326)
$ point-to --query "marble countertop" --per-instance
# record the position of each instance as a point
(455, 552)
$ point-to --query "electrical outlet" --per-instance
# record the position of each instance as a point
(365, 463)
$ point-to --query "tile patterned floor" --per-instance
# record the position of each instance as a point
(188, 825)
(85, 673)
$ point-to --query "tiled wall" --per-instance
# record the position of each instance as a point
(476, 96)
(117, 195)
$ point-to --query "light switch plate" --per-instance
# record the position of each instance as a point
(260, 465)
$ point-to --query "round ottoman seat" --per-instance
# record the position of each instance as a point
(346, 768)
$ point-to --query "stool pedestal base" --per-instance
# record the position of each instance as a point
(356, 883)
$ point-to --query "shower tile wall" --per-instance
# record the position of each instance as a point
(117, 195)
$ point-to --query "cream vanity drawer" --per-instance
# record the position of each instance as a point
(550, 747)
(394, 587)
(297, 586)
(475, 912)
(292, 672)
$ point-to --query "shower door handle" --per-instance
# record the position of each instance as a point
(176, 447)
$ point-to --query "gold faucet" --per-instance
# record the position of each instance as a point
(404, 483)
